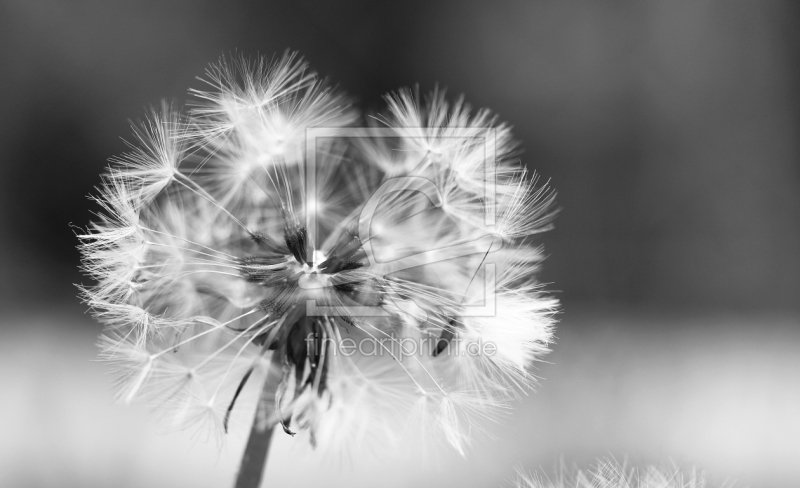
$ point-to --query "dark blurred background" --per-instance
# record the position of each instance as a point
(668, 127)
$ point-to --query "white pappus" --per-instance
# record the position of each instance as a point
(206, 274)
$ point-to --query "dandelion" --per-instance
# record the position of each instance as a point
(399, 296)
(612, 474)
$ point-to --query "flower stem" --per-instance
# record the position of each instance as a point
(254, 459)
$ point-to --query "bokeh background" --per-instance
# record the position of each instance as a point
(669, 128)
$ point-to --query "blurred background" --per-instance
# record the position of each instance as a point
(668, 127)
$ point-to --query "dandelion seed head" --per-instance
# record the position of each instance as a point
(209, 275)
(609, 473)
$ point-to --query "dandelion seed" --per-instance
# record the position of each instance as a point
(151, 164)
(208, 277)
